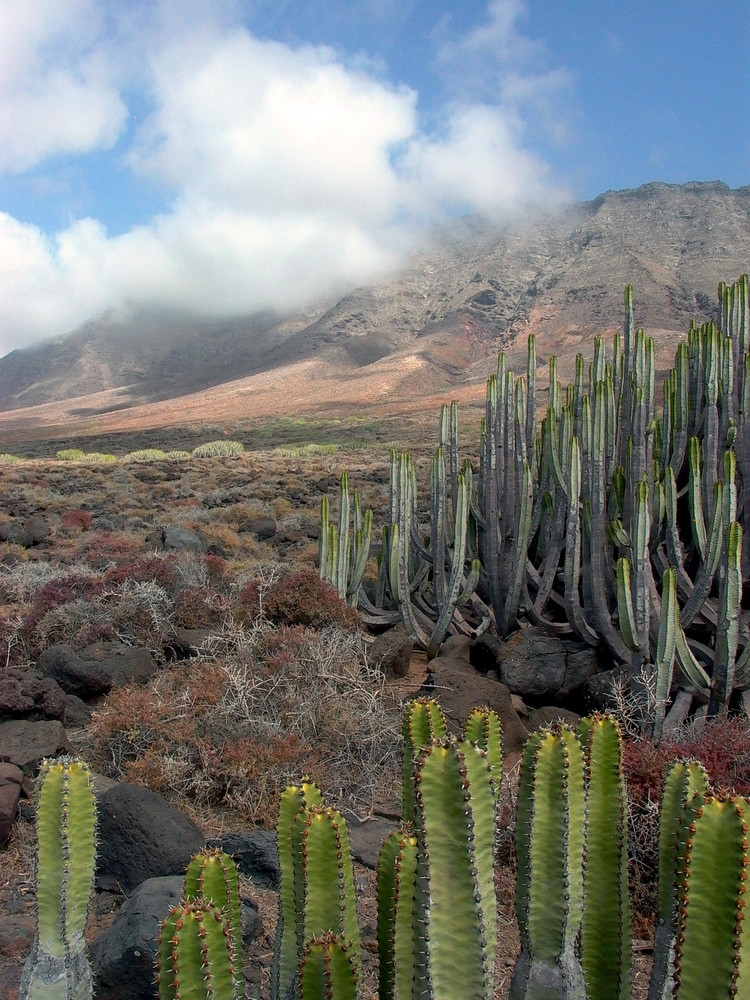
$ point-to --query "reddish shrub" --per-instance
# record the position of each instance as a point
(159, 569)
(194, 609)
(217, 569)
(304, 599)
(110, 546)
(76, 520)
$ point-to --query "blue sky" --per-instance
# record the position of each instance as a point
(220, 157)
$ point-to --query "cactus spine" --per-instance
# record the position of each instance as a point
(58, 967)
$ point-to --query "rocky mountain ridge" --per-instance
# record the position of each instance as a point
(475, 289)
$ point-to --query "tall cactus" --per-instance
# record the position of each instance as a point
(212, 877)
(456, 906)
(397, 874)
(58, 967)
(684, 780)
(549, 848)
(605, 925)
(711, 945)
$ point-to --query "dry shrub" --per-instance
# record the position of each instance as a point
(76, 520)
(232, 731)
(300, 598)
(196, 609)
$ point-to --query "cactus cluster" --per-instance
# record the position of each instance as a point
(618, 521)
(200, 944)
(436, 902)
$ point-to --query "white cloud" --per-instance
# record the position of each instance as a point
(292, 172)
(57, 94)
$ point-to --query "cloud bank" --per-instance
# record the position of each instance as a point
(287, 172)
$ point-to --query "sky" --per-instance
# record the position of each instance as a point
(218, 157)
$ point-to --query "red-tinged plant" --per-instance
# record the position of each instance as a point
(104, 547)
(304, 599)
(76, 520)
(194, 609)
(159, 569)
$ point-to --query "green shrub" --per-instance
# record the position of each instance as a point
(176, 456)
(146, 455)
(219, 449)
(98, 456)
(70, 455)
(6, 459)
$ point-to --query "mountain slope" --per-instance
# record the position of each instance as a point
(475, 289)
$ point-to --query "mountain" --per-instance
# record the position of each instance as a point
(435, 328)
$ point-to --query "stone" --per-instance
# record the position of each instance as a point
(262, 527)
(83, 678)
(391, 652)
(11, 779)
(549, 714)
(181, 539)
(120, 662)
(581, 663)
(77, 712)
(123, 957)
(366, 838)
(255, 854)
(596, 692)
(24, 694)
(485, 652)
(535, 666)
(458, 688)
(26, 742)
(141, 835)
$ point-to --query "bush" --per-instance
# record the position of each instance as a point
(70, 455)
(76, 520)
(233, 731)
(6, 459)
(304, 599)
(146, 455)
(219, 449)
(176, 456)
(98, 457)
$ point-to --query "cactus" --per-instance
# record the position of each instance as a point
(605, 924)
(328, 969)
(397, 873)
(484, 730)
(456, 907)
(317, 883)
(709, 948)
(212, 877)
(684, 780)
(422, 724)
(58, 967)
(195, 954)
(342, 555)
(549, 848)
(296, 800)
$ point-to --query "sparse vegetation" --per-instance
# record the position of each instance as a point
(8, 459)
(70, 455)
(219, 449)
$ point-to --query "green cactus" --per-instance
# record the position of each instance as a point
(605, 924)
(423, 723)
(397, 873)
(343, 554)
(549, 849)
(456, 906)
(483, 728)
(212, 876)
(709, 948)
(684, 780)
(329, 969)
(58, 967)
(195, 954)
(296, 800)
